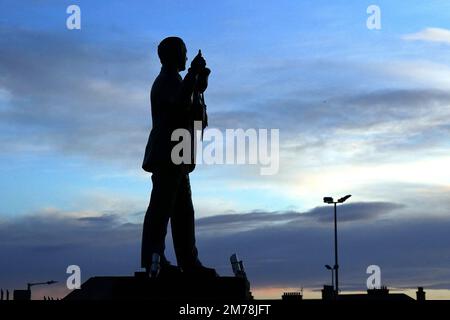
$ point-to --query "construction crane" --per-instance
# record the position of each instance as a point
(29, 285)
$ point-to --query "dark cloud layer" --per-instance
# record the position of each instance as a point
(278, 248)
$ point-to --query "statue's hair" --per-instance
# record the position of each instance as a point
(169, 50)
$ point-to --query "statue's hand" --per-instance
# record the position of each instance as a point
(198, 64)
(202, 80)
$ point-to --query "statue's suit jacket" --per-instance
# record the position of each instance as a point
(174, 104)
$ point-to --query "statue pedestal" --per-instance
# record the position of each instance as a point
(174, 287)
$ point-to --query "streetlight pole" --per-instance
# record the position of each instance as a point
(329, 200)
(332, 278)
(336, 264)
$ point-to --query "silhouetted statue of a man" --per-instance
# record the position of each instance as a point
(175, 103)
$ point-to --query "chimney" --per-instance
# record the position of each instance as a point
(382, 291)
(292, 296)
(420, 294)
(328, 293)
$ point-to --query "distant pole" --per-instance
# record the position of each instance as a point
(330, 200)
(336, 265)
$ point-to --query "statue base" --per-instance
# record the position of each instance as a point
(174, 287)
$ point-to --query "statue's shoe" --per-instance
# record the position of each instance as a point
(200, 271)
(163, 269)
(168, 270)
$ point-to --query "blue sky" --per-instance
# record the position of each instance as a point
(360, 111)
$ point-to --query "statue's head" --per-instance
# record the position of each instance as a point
(172, 53)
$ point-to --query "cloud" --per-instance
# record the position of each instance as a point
(417, 73)
(438, 35)
(238, 222)
(366, 124)
(104, 219)
(64, 94)
(357, 211)
(234, 222)
(68, 95)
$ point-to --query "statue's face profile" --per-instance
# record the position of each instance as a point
(182, 58)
